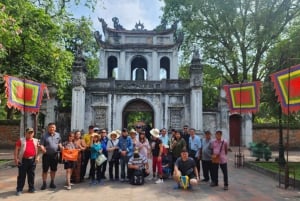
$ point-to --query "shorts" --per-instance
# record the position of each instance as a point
(49, 161)
(69, 165)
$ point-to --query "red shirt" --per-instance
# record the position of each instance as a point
(29, 150)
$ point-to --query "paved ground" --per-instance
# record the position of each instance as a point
(244, 185)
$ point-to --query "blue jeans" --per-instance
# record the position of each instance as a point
(124, 165)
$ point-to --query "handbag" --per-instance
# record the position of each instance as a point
(100, 159)
(70, 154)
(116, 154)
(215, 158)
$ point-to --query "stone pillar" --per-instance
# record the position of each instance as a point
(102, 64)
(122, 66)
(78, 93)
(174, 65)
(155, 73)
(78, 108)
(247, 131)
(196, 116)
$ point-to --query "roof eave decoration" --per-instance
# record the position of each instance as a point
(139, 28)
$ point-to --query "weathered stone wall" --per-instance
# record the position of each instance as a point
(271, 137)
(9, 133)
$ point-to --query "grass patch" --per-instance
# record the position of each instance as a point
(3, 161)
(274, 167)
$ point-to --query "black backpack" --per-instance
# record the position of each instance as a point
(137, 178)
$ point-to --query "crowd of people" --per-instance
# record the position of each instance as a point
(126, 153)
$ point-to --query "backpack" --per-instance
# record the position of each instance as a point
(137, 178)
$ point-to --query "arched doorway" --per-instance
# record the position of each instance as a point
(235, 122)
(137, 111)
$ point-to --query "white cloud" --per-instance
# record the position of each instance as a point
(129, 12)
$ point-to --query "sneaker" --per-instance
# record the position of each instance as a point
(18, 193)
(31, 191)
(225, 188)
(205, 180)
(159, 181)
(68, 187)
(176, 187)
(122, 180)
(44, 186)
(52, 185)
(93, 182)
(213, 184)
(71, 184)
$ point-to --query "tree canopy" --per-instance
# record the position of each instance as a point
(41, 45)
(233, 35)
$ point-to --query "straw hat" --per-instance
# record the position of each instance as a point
(95, 135)
(132, 131)
(155, 132)
(118, 132)
(113, 133)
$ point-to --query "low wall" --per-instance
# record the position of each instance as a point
(271, 137)
(9, 133)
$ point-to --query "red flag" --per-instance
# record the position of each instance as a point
(24, 95)
(287, 85)
(243, 98)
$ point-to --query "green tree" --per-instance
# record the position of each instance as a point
(45, 49)
(38, 54)
(283, 55)
(233, 35)
(9, 31)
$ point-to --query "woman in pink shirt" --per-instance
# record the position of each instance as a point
(219, 148)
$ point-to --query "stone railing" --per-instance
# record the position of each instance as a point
(138, 85)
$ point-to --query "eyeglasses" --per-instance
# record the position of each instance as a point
(185, 128)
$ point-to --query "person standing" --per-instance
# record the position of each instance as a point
(26, 157)
(76, 174)
(186, 136)
(133, 135)
(157, 151)
(219, 148)
(69, 165)
(50, 144)
(87, 152)
(177, 145)
(126, 149)
(113, 156)
(195, 146)
(143, 145)
(164, 137)
(104, 140)
(96, 150)
(205, 156)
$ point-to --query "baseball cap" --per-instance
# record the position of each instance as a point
(29, 130)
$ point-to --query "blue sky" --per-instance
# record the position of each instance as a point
(129, 12)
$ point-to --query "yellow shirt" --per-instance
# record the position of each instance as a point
(87, 139)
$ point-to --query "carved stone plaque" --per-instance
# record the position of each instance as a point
(100, 117)
(175, 117)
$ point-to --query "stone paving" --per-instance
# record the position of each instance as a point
(244, 185)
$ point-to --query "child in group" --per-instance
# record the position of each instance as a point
(96, 149)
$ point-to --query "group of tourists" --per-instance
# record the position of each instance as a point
(127, 154)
